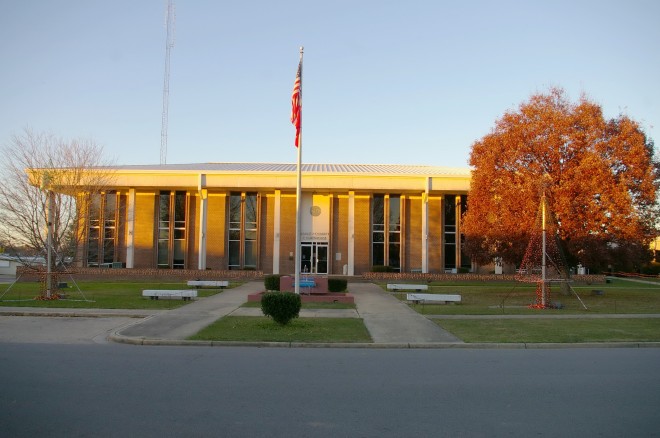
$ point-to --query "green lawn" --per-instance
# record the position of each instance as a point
(494, 298)
(98, 295)
(512, 298)
(264, 329)
(536, 330)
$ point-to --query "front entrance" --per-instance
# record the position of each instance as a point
(314, 257)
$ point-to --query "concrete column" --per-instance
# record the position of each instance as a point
(276, 232)
(203, 225)
(351, 233)
(425, 227)
(458, 233)
(130, 229)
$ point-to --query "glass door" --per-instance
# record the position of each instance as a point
(306, 258)
(314, 258)
(321, 258)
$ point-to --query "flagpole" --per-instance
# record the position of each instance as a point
(298, 186)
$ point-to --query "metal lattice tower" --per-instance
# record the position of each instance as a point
(169, 43)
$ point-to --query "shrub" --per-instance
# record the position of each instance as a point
(281, 306)
(651, 269)
(272, 282)
(337, 285)
(381, 268)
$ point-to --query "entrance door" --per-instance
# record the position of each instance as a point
(314, 257)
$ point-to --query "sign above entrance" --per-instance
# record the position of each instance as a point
(315, 223)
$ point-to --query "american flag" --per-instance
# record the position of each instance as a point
(296, 103)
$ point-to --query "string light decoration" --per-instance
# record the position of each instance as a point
(543, 262)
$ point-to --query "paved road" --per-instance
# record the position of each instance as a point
(119, 390)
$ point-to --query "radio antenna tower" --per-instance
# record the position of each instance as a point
(169, 43)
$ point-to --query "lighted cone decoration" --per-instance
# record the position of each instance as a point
(543, 262)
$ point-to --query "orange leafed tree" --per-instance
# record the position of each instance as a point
(600, 177)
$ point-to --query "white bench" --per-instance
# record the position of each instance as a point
(208, 283)
(434, 298)
(154, 294)
(405, 286)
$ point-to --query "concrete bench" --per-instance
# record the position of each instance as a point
(185, 295)
(404, 286)
(434, 298)
(208, 283)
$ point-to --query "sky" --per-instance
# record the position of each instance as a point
(384, 82)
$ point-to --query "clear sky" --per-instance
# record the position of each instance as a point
(396, 82)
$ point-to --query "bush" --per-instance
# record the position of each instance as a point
(272, 282)
(381, 268)
(337, 285)
(651, 269)
(281, 306)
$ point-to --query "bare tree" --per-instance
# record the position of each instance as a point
(43, 180)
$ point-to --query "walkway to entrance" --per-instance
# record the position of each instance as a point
(392, 321)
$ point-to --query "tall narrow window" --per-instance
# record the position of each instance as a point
(378, 231)
(386, 231)
(179, 241)
(394, 233)
(450, 232)
(93, 230)
(466, 262)
(109, 228)
(102, 229)
(243, 231)
(164, 230)
(250, 227)
(172, 230)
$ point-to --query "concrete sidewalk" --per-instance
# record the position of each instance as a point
(391, 321)
(179, 323)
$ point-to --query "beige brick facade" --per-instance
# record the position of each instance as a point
(349, 240)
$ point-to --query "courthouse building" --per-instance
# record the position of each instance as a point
(220, 216)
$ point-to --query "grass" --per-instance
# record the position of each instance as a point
(264, 329)
(538, 330)
(512, 298)
(98, 295)
(478, 298)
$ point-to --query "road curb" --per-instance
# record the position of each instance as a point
(119, 338)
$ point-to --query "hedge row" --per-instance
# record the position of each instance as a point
(32, 274)
(408, 276)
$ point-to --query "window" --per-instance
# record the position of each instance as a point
(386, 235)
(102, 229)
(378, 231)
(243, 230)
(172, 230)
(394, 233)
(450, 231)
(466, 262)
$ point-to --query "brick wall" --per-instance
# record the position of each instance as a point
(216, 232)
(362, 234)
(266, 233)
(144, 239)
(287, 234)
(413, 234)
(108, 274)
(339, 233)
(435, 235)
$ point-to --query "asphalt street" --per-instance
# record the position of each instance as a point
(117, 390)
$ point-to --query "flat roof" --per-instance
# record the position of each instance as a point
(287, 168)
